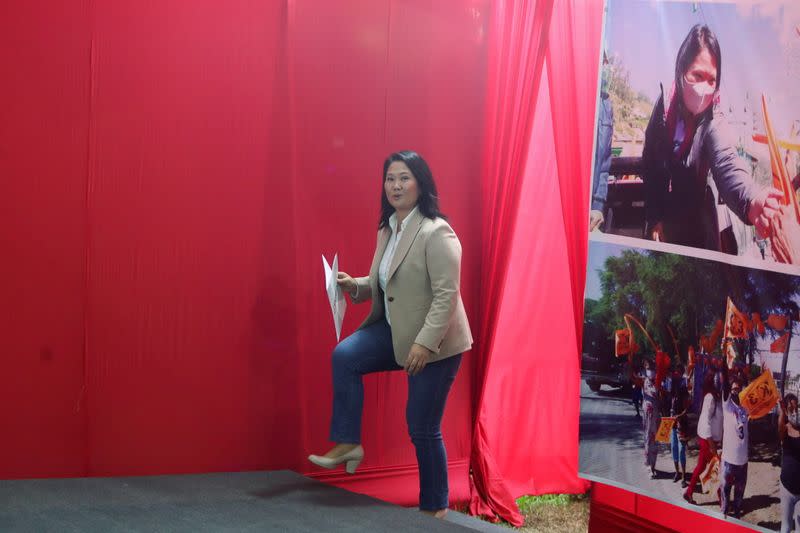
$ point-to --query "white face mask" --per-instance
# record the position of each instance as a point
(697, 96)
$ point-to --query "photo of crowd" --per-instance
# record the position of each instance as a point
(691, 371)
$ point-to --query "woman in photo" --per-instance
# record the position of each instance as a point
(651, 413)
(709, 431)
(678, 406)
(789, 433)
(686, 138)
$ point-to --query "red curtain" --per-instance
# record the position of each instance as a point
(573, 57)
(516, 59)
(538, 149)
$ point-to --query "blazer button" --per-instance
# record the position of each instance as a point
(390, 298)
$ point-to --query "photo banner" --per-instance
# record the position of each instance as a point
(694, 237)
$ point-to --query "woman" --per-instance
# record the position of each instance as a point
(709, 431)
(417, 324)
(678, 406)
(685, 139)
(789, 433)
(652, 414)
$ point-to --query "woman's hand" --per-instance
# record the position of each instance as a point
(657, 233)
(418, 357)
(595, 220)
(763, 208)
(347, 283)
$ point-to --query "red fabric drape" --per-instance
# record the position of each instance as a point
(516, 58)
(535, 256)
(573, 57)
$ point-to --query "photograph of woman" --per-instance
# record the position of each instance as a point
(416, 324)
(652, 414)
(687, 137)
(709, 431)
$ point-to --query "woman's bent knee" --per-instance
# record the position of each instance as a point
(342, 355)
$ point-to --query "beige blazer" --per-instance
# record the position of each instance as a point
(422, 289)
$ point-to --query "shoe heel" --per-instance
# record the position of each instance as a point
(350, 466)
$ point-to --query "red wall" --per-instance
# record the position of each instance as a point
(171, 173)
(44, 98)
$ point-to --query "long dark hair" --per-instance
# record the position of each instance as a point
(428, 202)
(708, 385)
(699, 37)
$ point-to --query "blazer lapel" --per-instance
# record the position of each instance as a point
(383, 241)
(409, 233)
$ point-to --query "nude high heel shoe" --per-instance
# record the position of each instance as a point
(351, 459)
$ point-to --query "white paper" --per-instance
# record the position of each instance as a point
(335, 294)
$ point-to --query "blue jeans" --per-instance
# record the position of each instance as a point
(678, 448)
(370, 350)
(733, 477)
(790, 514)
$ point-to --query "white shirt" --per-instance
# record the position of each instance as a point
(709, 425)
(388, 255)
(734, 437)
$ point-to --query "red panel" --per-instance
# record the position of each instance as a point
(44, 65)
(180, 295)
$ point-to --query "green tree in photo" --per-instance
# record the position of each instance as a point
(686, 293)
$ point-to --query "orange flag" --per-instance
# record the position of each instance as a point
(730, 353)
(622, 342)
(736, 323)
(759, 324)
(709, 479)
(779, 346)
(760, 396)
(691, 363)
(777, 322)
(664, 429)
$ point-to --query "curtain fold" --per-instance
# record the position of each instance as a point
(537, 159)
(516, 57)
(573, 56)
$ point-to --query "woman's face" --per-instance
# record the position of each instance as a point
(703, 69)
(401, 187)
(699, 83)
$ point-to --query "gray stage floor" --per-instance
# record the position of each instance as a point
(245, 501)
